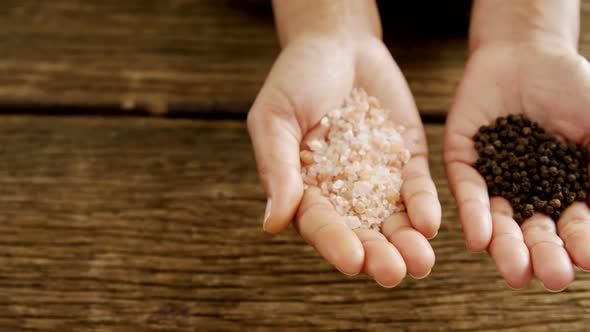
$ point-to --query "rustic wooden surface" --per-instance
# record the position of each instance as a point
(150, 224)
(194, 57)
(177, 56)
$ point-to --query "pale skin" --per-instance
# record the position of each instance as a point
(329, 47)
(524, 59)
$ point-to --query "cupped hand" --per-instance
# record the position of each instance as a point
(312, 76)
(550, 85)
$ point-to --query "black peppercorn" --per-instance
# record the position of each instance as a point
(489, 150)
(555, 203)
(539, 205)
(501, 122)
(562, 146)
(549, 209)
(515, 201)
(570, 198)
(527, 211)
(531, 168)
(497, 170)
(559, 196)
(527, 131)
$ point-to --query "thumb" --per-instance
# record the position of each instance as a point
(276, 136)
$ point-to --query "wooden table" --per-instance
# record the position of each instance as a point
(113, 220)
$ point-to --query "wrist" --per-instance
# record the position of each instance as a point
(538, 24)
(344, 21)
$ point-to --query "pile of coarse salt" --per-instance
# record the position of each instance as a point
(358, 164)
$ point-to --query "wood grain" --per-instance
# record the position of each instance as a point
(195, 57)
(147, 224)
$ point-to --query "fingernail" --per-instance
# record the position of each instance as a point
(432, 237)
(266, 213)
(347, 274)
(382, 285)
(554, 291)
(422, 277)
(513, 288)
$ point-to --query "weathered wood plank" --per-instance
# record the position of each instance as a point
(145, 224)
(196, 56)
(178, 56)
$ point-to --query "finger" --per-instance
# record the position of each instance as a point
(420, 196)
(551, 262)
(471, 194)
(413, 246)
(383, 261)
(275, 139)
(321, 226)
(507, 248)
(574, 229)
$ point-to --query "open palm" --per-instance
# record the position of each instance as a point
(551, 87)
(311, 77)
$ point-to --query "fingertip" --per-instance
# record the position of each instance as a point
(579, 250)
(476, 245)
(423, 276)
(574, 230)
(383, 262)
(512, 260)
(556, 281)
(429, 227)
(273, 228)
(414, 248)
(390, 275)
(556, 290)
(553, 267)
(418, 255)
(469, 189)
(341, 247)
(477, 242)
(392, 285)
(351, 263)
(477, 226)
(428, 220)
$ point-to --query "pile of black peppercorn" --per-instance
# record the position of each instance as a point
(531, 168)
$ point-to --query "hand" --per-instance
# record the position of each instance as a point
(312, 76)
(550, 85)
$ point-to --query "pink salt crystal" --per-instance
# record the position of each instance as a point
(358, 163)
(315, 145)
(338, 184)
(306, 157)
